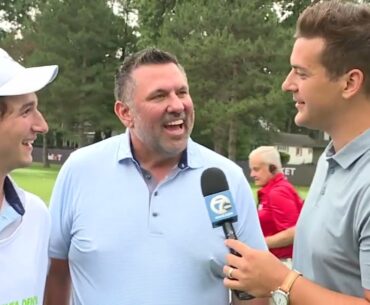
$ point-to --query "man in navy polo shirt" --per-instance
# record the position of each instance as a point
(24, 219)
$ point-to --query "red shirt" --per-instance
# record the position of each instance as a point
(279, 208)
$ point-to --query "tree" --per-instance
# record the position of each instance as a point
(85, 40)
(16, 13)
(152, 14)
(227, 48)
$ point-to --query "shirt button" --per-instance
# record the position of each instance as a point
(155, 193)
(148, 177)
(154, 214)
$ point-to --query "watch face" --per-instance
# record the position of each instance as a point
(280, 298)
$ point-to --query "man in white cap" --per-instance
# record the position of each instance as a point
(24, 218)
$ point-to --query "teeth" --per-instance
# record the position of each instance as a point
(178, 122)
(27, 142)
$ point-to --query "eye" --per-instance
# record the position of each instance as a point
(301, 74)
(158, 96)
(182, 93)
(26, 111)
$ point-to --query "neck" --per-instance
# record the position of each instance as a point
(353, 123)
(159, 168)
(158, 164)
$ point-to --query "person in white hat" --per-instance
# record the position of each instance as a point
(24, 218)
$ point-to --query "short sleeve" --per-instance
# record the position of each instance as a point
(61, 214)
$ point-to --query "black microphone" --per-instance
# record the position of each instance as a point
(220, 208)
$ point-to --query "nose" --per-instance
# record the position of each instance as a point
(288, 84)
(40, 125)
(175, 104)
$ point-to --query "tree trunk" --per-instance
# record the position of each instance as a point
(45, 151)
(218, 137)
(231, 148)
(97, 136)
(81, 136)
(107, 133)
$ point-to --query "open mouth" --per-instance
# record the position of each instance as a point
(28, 143)
(299, 104)
(175, 126)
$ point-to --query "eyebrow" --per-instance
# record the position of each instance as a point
(183, 88)
(300, 68)
(26, 105)
(155, 92)
(166, 91)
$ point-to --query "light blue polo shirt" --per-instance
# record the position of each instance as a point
(127, 245)
(332, 242)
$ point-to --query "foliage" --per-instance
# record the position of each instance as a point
(236, 54)
(228, 49)
(85, 40)
(16, 13)
(284, 157)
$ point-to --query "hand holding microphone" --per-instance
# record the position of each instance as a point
(220, 209)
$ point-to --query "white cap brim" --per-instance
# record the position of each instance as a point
(29, 80)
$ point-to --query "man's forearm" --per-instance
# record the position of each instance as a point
(58, 284)
(282, 239)
(57, 294)
(305, 292)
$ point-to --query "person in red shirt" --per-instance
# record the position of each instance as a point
(279, 203)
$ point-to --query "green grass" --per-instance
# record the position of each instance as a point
(302, 190)
(37, 179)
(40, 180)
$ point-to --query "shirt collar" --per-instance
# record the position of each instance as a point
(350, 152)
(278, 177)
(190, 157)
(12, 196)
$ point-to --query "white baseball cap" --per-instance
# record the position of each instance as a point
(16, 79)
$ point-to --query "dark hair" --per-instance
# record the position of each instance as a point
(345, 27)
(124, 84)
(3, 106)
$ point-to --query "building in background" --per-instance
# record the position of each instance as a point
(301, 148)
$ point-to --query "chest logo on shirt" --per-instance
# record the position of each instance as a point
(27, 301)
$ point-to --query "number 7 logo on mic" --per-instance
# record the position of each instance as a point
(217, 197)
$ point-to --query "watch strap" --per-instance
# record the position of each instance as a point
(288, 282)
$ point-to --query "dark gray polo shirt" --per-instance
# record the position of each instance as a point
(332, 242)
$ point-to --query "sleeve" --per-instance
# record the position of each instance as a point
(362, 230)
(284, 210)
(61, 214)
(248, 228)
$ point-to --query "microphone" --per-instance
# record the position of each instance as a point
(220, 208)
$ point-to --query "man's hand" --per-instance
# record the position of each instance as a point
(256, 272)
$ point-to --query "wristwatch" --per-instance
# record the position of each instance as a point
(280, 296)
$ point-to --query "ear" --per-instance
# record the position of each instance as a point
(353, 82)
(272, 169)
(124, 114)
